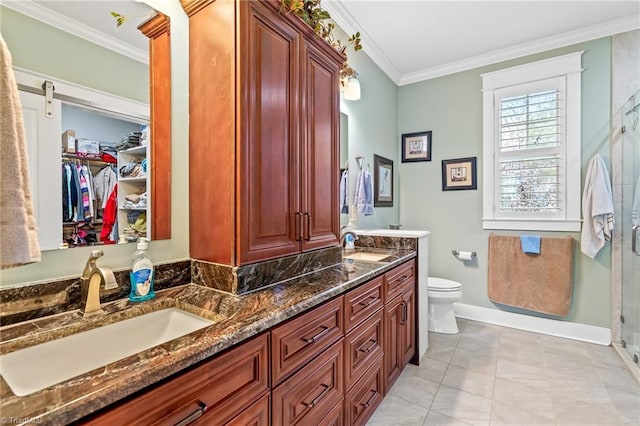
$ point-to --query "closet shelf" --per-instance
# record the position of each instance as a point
(133, 208)
(133, 179)
(135, 150)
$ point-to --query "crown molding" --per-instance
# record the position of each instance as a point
(604, 29)
(345, 21)
(79, 29)
(348, 24)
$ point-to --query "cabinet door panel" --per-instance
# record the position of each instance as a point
(362, 347)
(320, 150)
(268, 151)
(365, 396)
(296, 343)
(392, 358)
(307, 396)
(408, 346)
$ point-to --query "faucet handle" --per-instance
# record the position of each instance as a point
(96, 254)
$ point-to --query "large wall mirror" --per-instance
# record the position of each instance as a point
(92, 150)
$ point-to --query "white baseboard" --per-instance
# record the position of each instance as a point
(569, 330)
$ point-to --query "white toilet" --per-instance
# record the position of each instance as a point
(442, 293)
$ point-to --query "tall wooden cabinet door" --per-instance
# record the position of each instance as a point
(393, 329)
(408, 327)
(320, 149)
(268, 150)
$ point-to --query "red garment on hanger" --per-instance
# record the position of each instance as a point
(109, 215)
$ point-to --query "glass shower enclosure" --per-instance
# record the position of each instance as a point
(630, 327)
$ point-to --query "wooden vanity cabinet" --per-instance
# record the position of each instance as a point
(399, 321)
(216, 391)
(264, 129)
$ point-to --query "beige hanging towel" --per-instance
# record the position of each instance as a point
(536, 282)
(18, 234)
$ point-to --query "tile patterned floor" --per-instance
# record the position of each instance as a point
(491, 375)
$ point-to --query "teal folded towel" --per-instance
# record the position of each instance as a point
(530, 243)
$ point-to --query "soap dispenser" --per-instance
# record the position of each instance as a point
(141, 274)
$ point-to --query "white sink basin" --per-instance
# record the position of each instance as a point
(371, 257)
(37, 367)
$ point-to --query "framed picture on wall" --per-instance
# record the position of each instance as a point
(459, 173)
(382, 182)
(416, 147)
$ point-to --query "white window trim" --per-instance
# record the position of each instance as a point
(566, 66)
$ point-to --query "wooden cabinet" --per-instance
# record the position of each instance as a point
(298, 341)
(219, 389)
(362, 347)
(363, 301)
(157, 30)
(311, 393)
(263, 150)
(365, 396)
(399, 322)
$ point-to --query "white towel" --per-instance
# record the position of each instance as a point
(597, 208)
(18, 233)
(364, 193)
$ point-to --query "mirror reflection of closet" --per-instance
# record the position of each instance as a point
(344, 164)
(119, 77)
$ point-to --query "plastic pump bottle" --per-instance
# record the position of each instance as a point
(141, 274)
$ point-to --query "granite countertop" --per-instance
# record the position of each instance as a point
(236, 318)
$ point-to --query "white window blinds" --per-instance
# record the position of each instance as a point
(529, 142)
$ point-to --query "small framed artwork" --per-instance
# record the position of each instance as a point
(459, 173)
(382, 182)
(416, 147)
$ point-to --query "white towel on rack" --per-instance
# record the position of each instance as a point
(364, 193)
(597, 208)
(19, 244)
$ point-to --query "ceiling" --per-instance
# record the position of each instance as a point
(92, 20)
(410, 40)
(416, 40)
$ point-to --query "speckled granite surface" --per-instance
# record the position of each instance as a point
(248, 278)
(47, 298)
(398, 243)
(236, 319)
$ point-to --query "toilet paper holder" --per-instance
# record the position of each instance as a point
(456, 253)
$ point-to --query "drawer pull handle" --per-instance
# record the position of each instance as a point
(193, 416)
(312, 339)
(402, 279)
(326, 390)
(368, 403)
(369, 301)
(404, 313)
(371, 346)
(298, 226)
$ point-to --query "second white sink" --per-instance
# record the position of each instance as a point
(371, 257)
(37, 367)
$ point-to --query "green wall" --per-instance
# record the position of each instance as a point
(451, 106)
(373, 129)
(48, 50)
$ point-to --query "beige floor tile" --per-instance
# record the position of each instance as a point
(478, 363)
(627, 403)
(508, 414)
(604, 355)
(469, 381)
(394, 411)
(481, 345)
(436, 419)
(578, 390)
(532, 396)
(616, 376)
(463, 406)
(431, 369)
(414, 389)
(530, 374)
(579, 413)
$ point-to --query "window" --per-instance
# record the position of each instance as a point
(531, 117)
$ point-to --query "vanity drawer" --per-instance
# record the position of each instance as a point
(398, 279)
(362, 347)
(298, 341)
(363, 301)
(312, 393)
(217, 389)
(365, 396)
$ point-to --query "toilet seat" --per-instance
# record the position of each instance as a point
(442, 285)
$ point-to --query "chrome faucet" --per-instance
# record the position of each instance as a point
(92, 279)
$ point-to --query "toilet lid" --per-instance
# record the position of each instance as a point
(441, 284)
